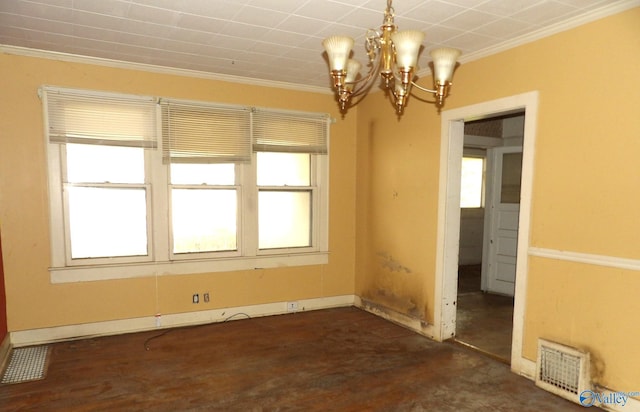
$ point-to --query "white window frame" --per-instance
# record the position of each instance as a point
(160, 259)
(317, 209)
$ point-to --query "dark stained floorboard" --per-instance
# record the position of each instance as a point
(341, 359)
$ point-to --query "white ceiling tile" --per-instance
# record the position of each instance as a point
(539, 14)
(11, 20)
(60, 3)
(303, 25)
(372, 19)
(98, 20)
(95, 33)
(285, 37)
(260, 17)
(506, 7)
(199, 23)
(153, 15)
(440, 34)
(246, 31)
(266, 39)
(471, 41)
(192, 36)
(469, 18)
(328, 11)
(117, 8)
(12, 34)
(286, 6)
(434, 12)
(338, 29)
(504, 28)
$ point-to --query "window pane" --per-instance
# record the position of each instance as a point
(107, 222)
(284, 219)
(199, 173)
(471, 183)
(99, 164)
(511, 176)
(284, 169)
(204, 220)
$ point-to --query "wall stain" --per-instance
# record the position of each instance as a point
(385, 298)
(387, 262)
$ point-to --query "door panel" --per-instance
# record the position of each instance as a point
(502, 211)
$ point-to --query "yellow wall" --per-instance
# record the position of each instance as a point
(33, 302)
(585, 193)
(383, 229)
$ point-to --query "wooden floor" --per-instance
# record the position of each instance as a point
(341, 359)
(483, 320)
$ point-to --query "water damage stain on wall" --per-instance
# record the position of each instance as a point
(387, 262)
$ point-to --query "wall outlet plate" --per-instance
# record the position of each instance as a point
(292, 306)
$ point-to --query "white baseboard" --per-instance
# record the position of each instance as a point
(116, 327)
(416, 325)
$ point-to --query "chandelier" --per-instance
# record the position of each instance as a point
(394, 55)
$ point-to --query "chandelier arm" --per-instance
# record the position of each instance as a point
(424, 89)
(365, 82)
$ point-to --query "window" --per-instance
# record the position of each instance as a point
(175, 186)
(472, 182)
(284, 200)
(101, 198)
(204, 208)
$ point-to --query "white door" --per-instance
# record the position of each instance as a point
(501, 220)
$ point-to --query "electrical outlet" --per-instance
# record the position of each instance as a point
(196, 298)
(292, 306)
(205, 297)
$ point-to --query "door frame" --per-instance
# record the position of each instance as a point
(448, 228)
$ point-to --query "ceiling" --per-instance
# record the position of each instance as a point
(273, 40)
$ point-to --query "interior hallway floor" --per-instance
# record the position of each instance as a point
(484, 321)
(342, 359)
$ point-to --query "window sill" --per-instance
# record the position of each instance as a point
(138, 270)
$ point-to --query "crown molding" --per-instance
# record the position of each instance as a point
(597, 14)
(119, 64)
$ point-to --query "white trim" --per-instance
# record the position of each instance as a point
(119, 64)
(411, 323)
(115, 327)
(183, 267)
(527, 369)
(586, 258)
(597, 14)
(452, 141)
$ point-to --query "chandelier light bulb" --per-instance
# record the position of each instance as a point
(407, 46)
(353, 68)
(338, 49)
(444, 61)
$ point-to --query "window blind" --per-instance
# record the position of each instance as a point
(78, 116)
(203, 133)
(288, 132)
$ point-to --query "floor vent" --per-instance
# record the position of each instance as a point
(26, 364)
(562, 370)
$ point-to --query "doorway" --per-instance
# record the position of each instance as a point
(489, 207)
(448, 233)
